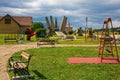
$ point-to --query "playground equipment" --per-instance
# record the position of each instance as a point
(51, 25)
(107, 45)
(89, 34)
(80, 31)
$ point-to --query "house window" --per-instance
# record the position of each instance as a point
(7, 20)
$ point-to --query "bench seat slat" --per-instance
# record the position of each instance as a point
(21, 65)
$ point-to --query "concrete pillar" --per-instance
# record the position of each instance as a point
(55, 23)
(47, 22)
(52, 23)
(63, 24)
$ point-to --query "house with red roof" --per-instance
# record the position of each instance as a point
(14, 24)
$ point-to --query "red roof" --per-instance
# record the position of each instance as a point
(22, 20)
(1, 17)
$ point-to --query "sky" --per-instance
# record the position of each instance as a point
(76, 11)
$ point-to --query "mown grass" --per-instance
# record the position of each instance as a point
(51, 64)
(1, 39)
(2, 36)
(79, 40)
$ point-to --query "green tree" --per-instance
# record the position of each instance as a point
(36, 25)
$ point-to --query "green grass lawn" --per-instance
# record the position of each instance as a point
(79, 40)
(51, 64)
(33, 39)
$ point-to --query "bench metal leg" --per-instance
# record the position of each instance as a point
(22, 77)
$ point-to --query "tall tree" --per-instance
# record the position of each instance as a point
(36, 25)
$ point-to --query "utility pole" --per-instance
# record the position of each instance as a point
(86, 28)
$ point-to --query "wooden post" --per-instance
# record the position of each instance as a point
(85, 34)
(97, 36)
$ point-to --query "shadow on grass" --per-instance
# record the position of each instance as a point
(22, 74)
(41, 76)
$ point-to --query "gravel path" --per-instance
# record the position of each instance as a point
(5, 52)
(8, 50)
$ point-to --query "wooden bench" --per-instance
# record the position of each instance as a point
(10, 39)
(20, 63)
(45, 42)
(70, 38)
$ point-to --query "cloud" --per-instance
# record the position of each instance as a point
(116, 23)
(33, 4)
(75, 10)
(94, 25)
(113, 2)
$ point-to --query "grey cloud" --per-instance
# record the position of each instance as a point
(76, 10)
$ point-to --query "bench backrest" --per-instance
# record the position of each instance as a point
(26, 56)
(70, 37)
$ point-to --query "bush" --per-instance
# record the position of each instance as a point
(41, 32)
(27, 32)
(70, 32)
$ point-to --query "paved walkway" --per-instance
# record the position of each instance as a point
(7, 50)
